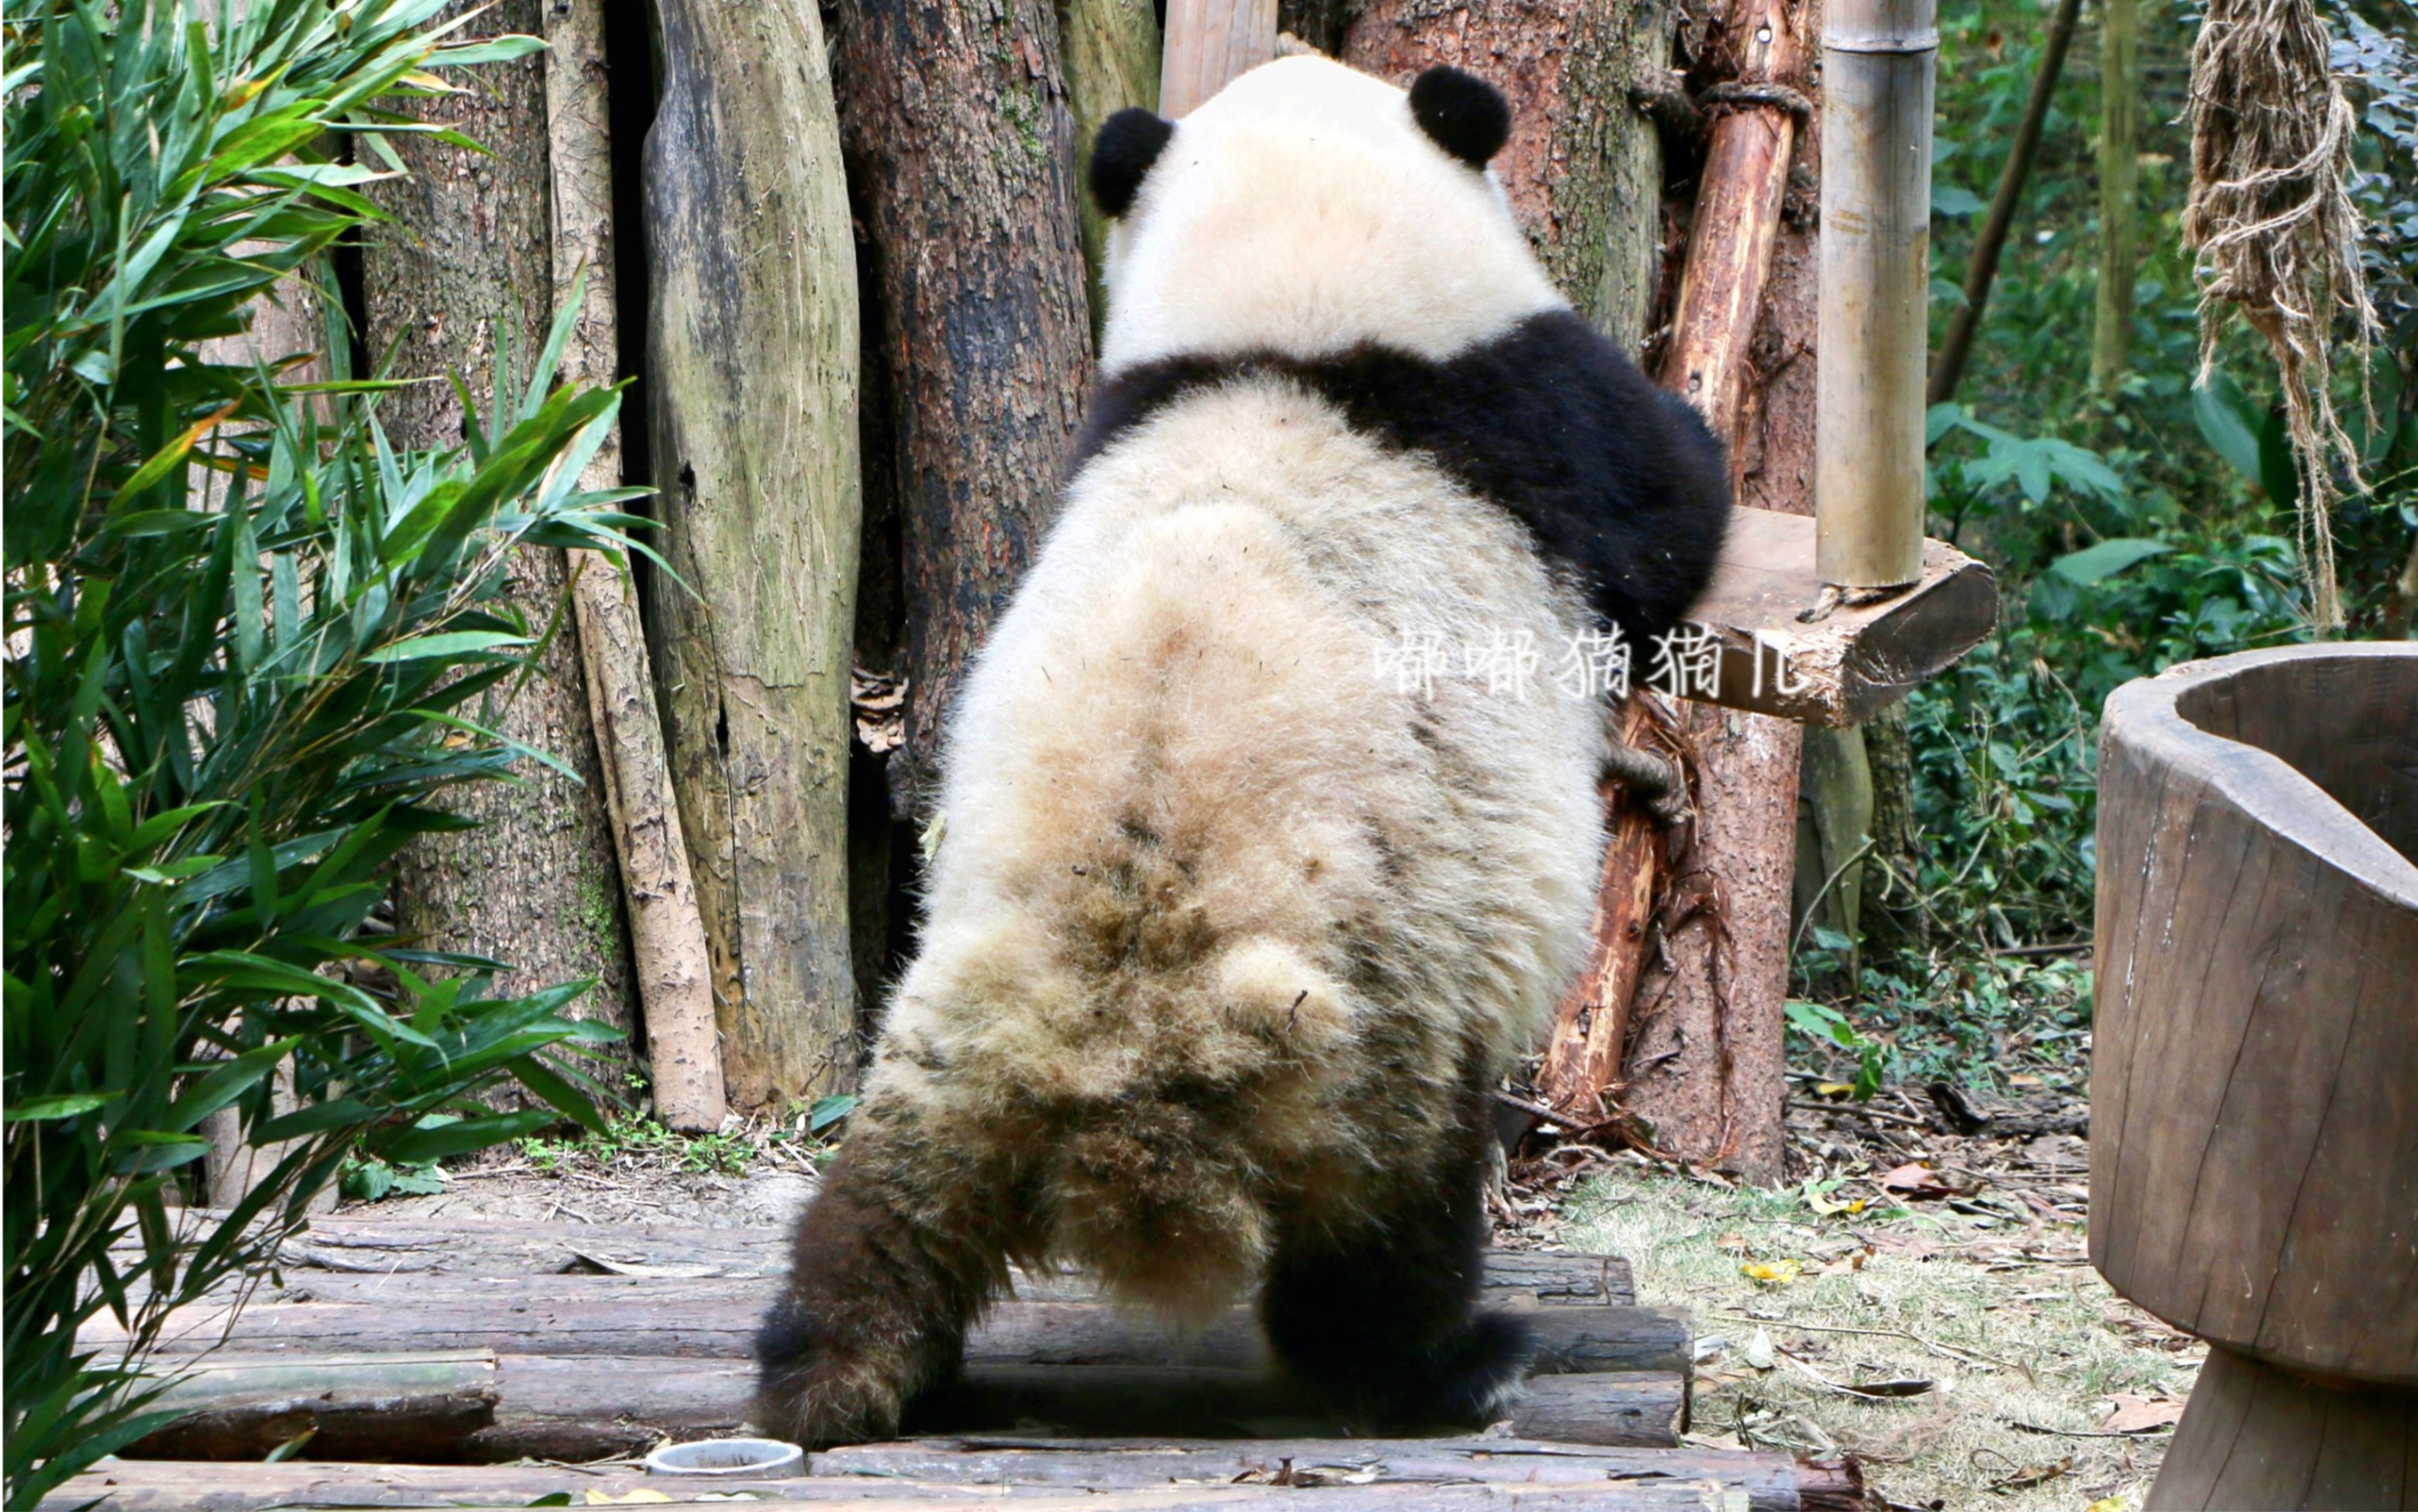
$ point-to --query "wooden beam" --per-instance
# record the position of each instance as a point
(1405, 1476)
(717, 1319)
(1209, 43)
(496, 1407)
(1782, 653)
(391, 1249)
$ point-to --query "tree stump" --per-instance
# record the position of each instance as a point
(2253, 1165)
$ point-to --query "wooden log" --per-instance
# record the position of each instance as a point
(166, 1486)
(2255, 1435)
(383, 1246)
(752, 354)
(1590, 1033)
(587, 1406)
(1768, 1482)
(1023, 1470)
(1875, 299)
(977, 316)
(1705, 1066)
(375, 1406)
(1644, 1409)
(2253, 1156)
(1209, 43)
(714, 1319)
(1737, 215)
(667, 946)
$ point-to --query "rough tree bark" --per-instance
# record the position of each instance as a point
(468, 261)
(984, 334)
(2120, 170)
(752, 352)
(1705, 1063)
(1583, 167)
(666, 932)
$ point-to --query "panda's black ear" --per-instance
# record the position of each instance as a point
(1130, 142)
(1461, 114)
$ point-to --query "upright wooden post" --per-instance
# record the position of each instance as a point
(752, 358)
(1209, 43)
(1877, 87)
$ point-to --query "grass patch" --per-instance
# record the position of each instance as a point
(2009, 1326)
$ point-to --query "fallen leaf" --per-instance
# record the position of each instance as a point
(2141, 1414)
(2106, 1503)
(1917, 1182)
(2032, 1476)
(1772, 1273)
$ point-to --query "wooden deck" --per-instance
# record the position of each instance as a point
(423, 1364)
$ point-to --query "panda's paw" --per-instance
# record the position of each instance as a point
(813, 1391)
(1479, 1369)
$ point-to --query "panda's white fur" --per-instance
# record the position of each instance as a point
(1301, 209)
(1232, 926)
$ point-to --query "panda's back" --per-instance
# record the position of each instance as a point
(1206, 825)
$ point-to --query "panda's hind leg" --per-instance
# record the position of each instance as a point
(895, 1258)
(1381, 1318)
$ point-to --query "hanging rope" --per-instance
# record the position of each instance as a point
(2276, 235)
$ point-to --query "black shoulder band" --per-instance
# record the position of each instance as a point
(1616, 480)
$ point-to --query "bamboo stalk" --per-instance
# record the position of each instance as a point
(1208, 43)
(1876, 89)
(666, 931)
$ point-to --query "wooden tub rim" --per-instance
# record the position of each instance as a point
(2146, 714)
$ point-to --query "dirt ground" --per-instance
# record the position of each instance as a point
(1915, 1297)
(1920, 1299)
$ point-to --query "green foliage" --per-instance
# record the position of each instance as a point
(249, 642)
(1827, 1026)
(2129, 533)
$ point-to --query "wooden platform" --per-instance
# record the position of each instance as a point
(1780, 653)
(423, 1357)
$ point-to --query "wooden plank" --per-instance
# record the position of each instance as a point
(1768, 1482)
(717, 1318)
(1643, 1409)
(372, 1245)
(1843, 667)
(134, 1486)
(591, 1407)
(2254, 1163)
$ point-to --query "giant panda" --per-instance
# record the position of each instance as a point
(1239, 910)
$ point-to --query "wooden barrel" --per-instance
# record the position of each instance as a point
(2254, 1163)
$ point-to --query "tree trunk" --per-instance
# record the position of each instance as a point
(467, 267)
(752, 357)
(985, 333)
(1112, 51)
(2120, 170)
(1583, 167)
(1707, 1066)
(666, 932)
